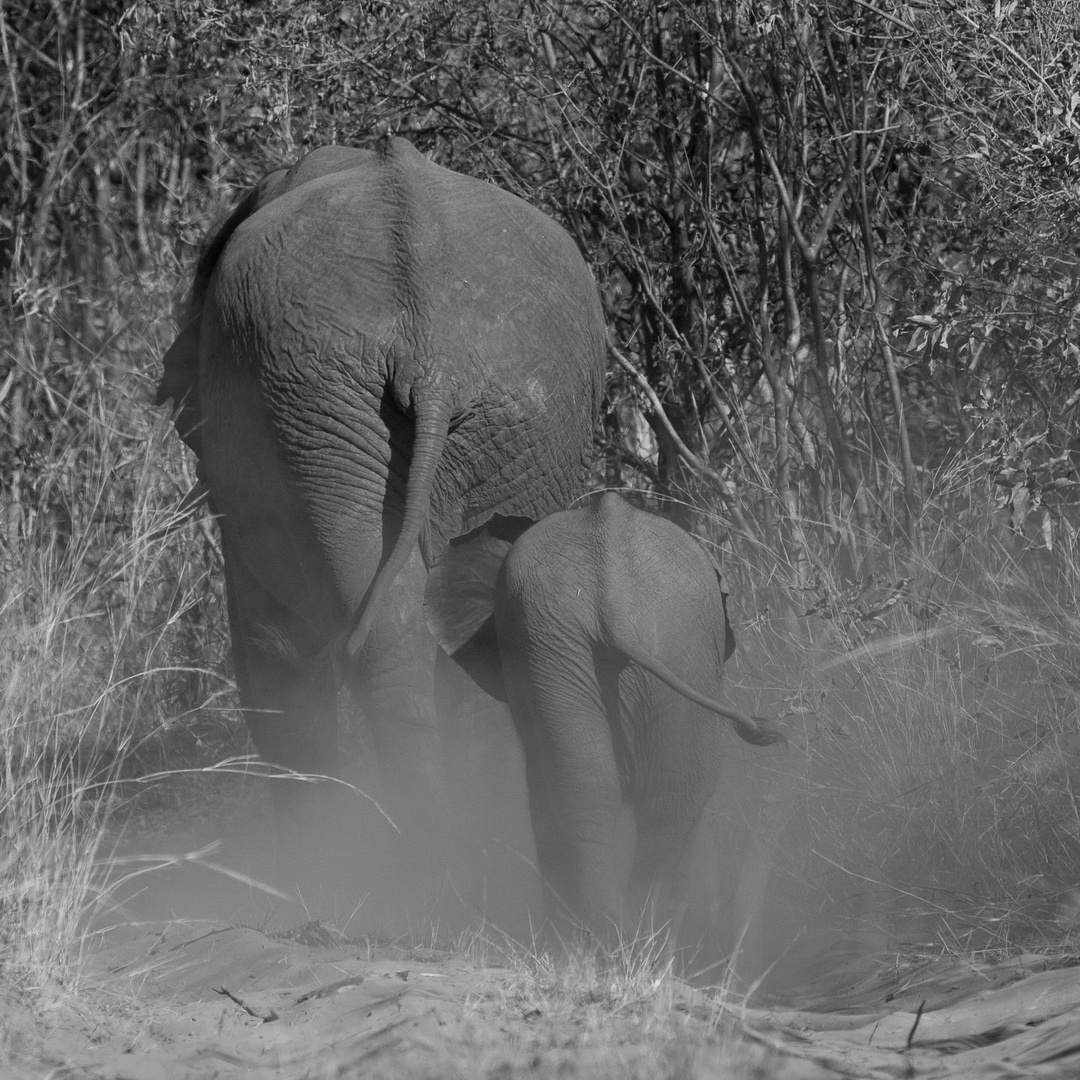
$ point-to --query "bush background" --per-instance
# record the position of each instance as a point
(837, 246)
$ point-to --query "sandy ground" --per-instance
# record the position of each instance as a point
(184, 999)
(198, 975)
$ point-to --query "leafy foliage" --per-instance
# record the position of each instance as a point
(824, 233)
(836, 244)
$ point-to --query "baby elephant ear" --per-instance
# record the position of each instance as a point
(459, 596)
(459, 600)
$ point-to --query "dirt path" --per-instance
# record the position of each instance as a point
(186, 1000)
(176, 989)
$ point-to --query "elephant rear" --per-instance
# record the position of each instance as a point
(379, 357)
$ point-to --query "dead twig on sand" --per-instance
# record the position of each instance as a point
(268, 1018)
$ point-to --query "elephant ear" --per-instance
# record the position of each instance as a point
(479, 659)
(180, 383)
(180, 376)
(459, 599)
(729, 634)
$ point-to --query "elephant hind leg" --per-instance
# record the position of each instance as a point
(292, 719)
(659, 876)
(393, 680)
(575, 801)
(289, 696)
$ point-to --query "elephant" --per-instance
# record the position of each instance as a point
(379, 357)
(611, 629)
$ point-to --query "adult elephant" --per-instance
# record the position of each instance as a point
(379, 358)
(612, 629)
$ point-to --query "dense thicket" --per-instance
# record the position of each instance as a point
(836, 241)
(837, 245)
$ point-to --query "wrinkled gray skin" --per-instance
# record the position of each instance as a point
(609, 621)
(379, 356)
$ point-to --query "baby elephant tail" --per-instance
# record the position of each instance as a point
(756, 731)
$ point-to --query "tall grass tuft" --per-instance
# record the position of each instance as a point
(937, 685)
(104, 619)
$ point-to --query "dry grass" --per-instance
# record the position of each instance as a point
(937, 793)
(581, 1009)
(937, 796)
(632, 976)
(94, 611)
(938, 689)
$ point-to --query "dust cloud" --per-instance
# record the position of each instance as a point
(364, 880)
(749, 912)
(360, 878)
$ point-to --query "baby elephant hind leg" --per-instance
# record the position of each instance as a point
(574, 803)
(659, 876)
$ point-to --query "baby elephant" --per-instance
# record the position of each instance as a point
(612, 631)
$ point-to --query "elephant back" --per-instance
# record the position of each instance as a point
(180, 365)
(387, 274)
(659, 588)
(362, 298)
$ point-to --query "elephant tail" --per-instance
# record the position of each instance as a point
(755, 731)
(429, 443)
